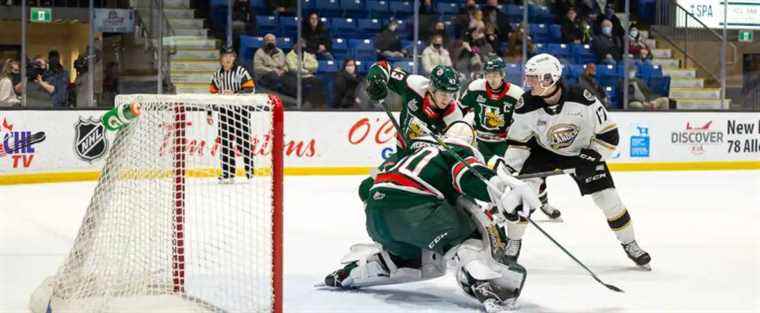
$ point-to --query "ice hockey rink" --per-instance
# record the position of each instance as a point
(701, 229)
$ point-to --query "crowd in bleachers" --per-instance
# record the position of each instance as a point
(589, 39)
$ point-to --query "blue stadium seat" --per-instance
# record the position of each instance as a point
(539, 32)
(362, 67)
(289, 25)
(345, 27)
(574, 70)
(540, 14)
(363, 48)
(612, 97)
(215, 3)
(515, 12)
(660, 85)
(308, 5)
(409, 45)
(647, 70)
(401, 8)
(329, 66)
(340, 49)
(447, 8)
(559, 50)
(248, 46)
(541, 48)
(515, 73)
(267, 24)
(285, 43)
(259, 5)
(582, 53)
(555, 33)
(353, 6)
(329, 8)
(371, 25)
(378, 9)
(608, 72)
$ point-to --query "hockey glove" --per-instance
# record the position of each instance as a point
(590, 155)
(518, 199)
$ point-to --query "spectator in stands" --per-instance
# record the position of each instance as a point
(635, 42)
(312, 87)
(282, 7)
(428, 17)
(473, 53)
(435, 54)
(607, 47)
(514, 48)
(243, 21)
(497, 23)
(317, 37)
(15, 75)
(7, 93)
(346, 82)
(463, 18)
(388, 42)
(572, 31)
(644, 55)
(640, 97)
(439, 28)
(269, 64)
(609, 14)
(588, 82)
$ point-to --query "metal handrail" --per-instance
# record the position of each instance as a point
(156, 47)
(686, 55)
(714, 33)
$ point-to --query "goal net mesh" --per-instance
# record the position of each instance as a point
(163, 232)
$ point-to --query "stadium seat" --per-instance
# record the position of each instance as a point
(329, 8)
(559, 50)
(328, 66)
(555, 33)
(660, 85)
(248, 46)
(362, 67)
(289, 25)
(340, 49)
(582, 53)
(539, 14)
(259, 5)
(363, 48)
(574, 70)
(378, 9)
(515, 12)
(409, 46)
(308, 5)
(612, 97)
(352, 7)
(406, 65)
(447, 8)
(647, 70)
(539, 32)
(515, 73)
(345, 27)
(369, 26)
(401, 8)
(285, 43)
(267, 24)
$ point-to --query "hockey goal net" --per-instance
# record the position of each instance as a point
(162, 232)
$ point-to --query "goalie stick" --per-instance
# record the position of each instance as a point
(493, 188)
(35, 138)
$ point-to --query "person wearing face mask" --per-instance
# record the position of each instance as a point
(607, 47)
(269, 64)
(317, 37)
(346, 82)
(609, 14)
(7, 94)
(388, 42)
(497, 24)
(571, 27)
(635, 43)
(435, 54)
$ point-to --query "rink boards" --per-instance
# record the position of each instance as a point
(335, 143)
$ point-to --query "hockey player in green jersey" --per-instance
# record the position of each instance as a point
(425, 103)
(491, 102)
(418, 218)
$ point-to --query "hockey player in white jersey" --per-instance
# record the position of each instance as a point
(558, 126)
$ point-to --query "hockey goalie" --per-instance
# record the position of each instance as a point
(420, 213)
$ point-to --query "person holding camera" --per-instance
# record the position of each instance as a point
(49, 82)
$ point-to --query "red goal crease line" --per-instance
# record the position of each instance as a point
(52, 177)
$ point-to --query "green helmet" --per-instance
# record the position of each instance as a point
(445, 78)
(495, 64)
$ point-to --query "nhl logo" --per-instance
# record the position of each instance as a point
(90, 141)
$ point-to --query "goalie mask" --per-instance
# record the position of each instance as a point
(542, 72)
(461, 131)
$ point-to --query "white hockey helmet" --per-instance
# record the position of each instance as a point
(544, 69)
(461, 130)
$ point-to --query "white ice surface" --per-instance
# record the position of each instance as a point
(701, 228)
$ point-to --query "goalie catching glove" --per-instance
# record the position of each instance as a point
(379, 74)
(512, 196)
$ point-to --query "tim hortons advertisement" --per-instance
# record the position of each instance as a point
(75, 141)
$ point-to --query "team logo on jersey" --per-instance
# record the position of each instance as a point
(588, 95)
(492, 118)
(520, 103)
(415, 129)
(480, 99)
(562, 135)
(412, 105)
(90, 142)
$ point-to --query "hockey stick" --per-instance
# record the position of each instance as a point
(488, 184)
(35, 138)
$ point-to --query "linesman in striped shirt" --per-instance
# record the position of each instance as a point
(234, 122)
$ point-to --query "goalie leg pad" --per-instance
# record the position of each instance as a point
(483, 278)
(374, 266)
(617, 215)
